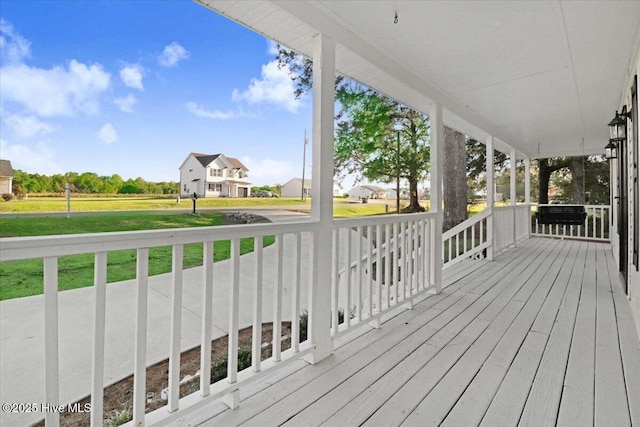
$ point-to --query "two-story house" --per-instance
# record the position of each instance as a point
(213, 175)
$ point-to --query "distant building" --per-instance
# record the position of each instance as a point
(293, 188)
(390, 193)
(213, 175)
(6, 177)
(368, 191)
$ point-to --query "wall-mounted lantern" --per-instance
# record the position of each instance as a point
(611, 150)
(617, 133)
(617, 128)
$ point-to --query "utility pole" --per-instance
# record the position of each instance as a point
(304, 160)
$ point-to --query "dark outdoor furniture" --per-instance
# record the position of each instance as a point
(561, 214)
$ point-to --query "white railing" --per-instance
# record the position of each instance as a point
(504, 228)
(379, 263)
(467, 239)
(597, 225)
(510, 225)
(282, 309)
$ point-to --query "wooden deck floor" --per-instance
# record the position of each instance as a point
(542, 336)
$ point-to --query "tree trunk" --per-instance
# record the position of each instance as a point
(454, 178)
(577, 180)
(544, 174)
(414, 203)
(546, 169)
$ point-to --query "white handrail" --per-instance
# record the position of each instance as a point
(472, 244)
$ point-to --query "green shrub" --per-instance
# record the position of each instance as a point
(121, 417)
(219, 366)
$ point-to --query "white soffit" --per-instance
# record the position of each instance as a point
(544, 77)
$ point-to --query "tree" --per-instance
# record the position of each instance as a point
(366, 143)
(596, 180)
(454, 179)
(576, 164)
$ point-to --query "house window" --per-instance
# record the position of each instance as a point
(215, 172)
(215, 187)
(240, 174)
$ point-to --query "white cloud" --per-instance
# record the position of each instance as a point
(108, 134)
(199, 111)
(126, 103)
(13, 47)
(27, 126)
(269, 172)
(172, 54)
(40, 159)
(58, 91)
(275, 87)
(272, 47)
(132, 75)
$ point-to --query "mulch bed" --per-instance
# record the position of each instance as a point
(118, 398)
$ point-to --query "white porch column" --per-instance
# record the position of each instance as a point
(527, 181)
(437, 141)
(512, 177)
(322, 197)
(512, 194)
(527, 191)
(490, 193)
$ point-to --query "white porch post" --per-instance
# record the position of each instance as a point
(490, 193)
(322, 196)
(527, 181)
(512, 177)
(437, 140)
(512, 193)
(527, 192)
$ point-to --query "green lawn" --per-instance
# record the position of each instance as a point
(89, 204)
(24, 278)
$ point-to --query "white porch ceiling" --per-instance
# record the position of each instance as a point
(542, 76)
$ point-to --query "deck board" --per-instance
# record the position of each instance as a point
(576, 406)
(540, 336)
(628, 343)
(544, 399)
(611, 406)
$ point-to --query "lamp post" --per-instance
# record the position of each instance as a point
(398, 127)
(67, 191)
(304, 159)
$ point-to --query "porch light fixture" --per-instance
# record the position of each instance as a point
(617, 128)
(617, 133)
(611, 151)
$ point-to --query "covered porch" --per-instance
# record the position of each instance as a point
(514, 330)
(543, 335)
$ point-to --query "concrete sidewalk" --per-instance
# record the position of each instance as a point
(22, 324)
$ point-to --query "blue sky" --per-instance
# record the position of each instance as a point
(132, 87)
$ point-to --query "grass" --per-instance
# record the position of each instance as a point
(24, 278)
(59, 204)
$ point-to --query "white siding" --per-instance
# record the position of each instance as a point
(192, 170)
